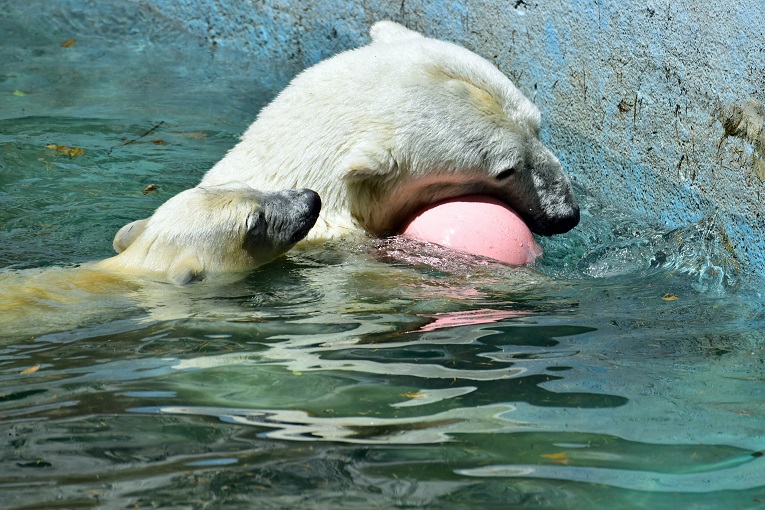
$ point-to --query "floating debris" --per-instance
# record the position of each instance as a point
(69, 151)
(150, 188)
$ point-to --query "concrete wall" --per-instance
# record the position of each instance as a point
(656, 105)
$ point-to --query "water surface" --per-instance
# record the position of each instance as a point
(623, 371)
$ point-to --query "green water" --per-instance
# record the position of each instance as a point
(625, 371)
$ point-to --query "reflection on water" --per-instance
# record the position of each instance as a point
(301, 384)
(623, 371)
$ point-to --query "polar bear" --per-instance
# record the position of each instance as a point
(388, 128)
(207, 232)
(201, 232)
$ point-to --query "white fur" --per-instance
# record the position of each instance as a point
(212, 230)
(222, 231)
(385, 129)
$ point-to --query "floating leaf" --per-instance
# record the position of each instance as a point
(669, 297)
(69, 151)
(158, 142)
(68, 43)
(19, 93)
(30, 370)
(557, 458)
(148, 189)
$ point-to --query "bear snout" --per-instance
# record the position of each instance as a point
(559, 224)
(313, 202)
(312, 207)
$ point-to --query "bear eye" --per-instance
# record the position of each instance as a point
(504, 174)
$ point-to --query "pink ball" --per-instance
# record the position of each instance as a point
(476, 224)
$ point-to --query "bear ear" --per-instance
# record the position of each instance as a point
(366, 161)
(390, 32)
(128, 234)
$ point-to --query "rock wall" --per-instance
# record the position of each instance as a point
(655, 105)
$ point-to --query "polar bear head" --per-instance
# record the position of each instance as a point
(385, 129)
(206, 230)
(459, 126)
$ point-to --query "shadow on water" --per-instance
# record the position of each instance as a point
(623, 371)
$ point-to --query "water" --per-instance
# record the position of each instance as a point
(624, 371)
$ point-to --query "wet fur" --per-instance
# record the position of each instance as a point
(219, 232)
(384, 129)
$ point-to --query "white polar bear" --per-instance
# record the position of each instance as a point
(205, 232)
(385, 129)
(201, 232)
(215, 229)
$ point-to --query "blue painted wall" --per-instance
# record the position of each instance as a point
(653, 105)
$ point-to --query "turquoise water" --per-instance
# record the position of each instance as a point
(624, 371)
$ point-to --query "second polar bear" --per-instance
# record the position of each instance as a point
(213, 230)
(208, 232)
(386, 129)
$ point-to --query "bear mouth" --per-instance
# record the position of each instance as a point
(388, 212)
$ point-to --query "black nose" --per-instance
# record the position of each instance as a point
(568, 223)
(312, 200)
(559, 225)
(313, 204)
